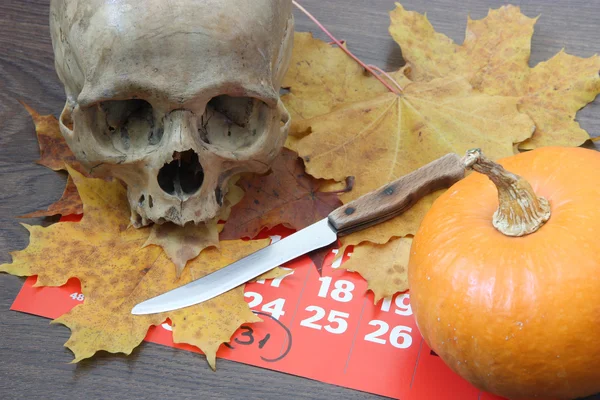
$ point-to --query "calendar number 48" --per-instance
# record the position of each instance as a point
(77, 296)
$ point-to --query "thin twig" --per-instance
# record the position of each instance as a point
(362, 64)
(376, 68)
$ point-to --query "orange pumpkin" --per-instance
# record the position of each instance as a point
(517, 313)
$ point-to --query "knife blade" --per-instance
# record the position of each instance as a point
(370, 209)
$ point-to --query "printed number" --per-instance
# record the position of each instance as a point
(338, 323)
(402, 303)
(337, 263)
(309, 322)
(277, 281)
(342, 291)
(399, 338)
(77, 296)
(275, 307)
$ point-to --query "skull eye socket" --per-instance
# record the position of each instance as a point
(128, 126)
(234, 123)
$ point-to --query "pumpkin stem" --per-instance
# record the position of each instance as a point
(520, 211)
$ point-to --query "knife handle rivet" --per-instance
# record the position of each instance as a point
(349, 211)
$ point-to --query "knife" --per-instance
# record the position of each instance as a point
(370, 209)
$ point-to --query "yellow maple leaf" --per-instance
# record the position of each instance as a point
(383, 266)
(377, 136)
(320, 79)
(393, 135)
(494, 58)
(116, 272)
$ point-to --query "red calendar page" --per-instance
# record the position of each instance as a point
(319, 327)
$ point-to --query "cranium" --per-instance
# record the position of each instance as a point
(173, 97)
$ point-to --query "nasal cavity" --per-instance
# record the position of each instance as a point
(183, 175)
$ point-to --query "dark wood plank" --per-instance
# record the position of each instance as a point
(33, 363)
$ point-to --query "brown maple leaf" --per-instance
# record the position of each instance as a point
(54, 151)
(56, 155)
(69, 204)
(286, 196)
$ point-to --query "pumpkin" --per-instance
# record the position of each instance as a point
(504, 275)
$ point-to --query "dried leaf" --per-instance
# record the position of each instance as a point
(55, 154)
(69, 204)
(386, 137)
(286, 196)
(54, 151)
(116, 273)
(318, 256)
(376, 137)
(494, 58)
(321, 77)
(384, 267)
(212, 323)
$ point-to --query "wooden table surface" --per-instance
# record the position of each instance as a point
(33, 362)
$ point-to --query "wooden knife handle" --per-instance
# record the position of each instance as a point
(398, 196)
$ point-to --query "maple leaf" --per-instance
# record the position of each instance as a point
(320, 79)
(56, 155)
(494, 58)
(391, 136)
(116, 272)
(69, 203)
(285, 196)
(319, 255)
(54, 151)
(377, 136)
(390, 274)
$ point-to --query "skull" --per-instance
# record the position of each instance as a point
(173, 98)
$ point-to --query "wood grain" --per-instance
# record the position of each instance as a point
(397, 196)
(33, 363)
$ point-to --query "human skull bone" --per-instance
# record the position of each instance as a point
(173, 98)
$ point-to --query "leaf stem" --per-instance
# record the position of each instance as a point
(341, 46)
